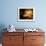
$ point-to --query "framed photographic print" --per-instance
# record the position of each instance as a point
(26, 14)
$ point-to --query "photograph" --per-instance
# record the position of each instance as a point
(26, 14)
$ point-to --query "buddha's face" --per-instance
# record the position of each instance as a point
(28, 13)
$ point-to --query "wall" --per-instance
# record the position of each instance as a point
(9, 13)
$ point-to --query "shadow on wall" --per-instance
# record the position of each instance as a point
(2, 26)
